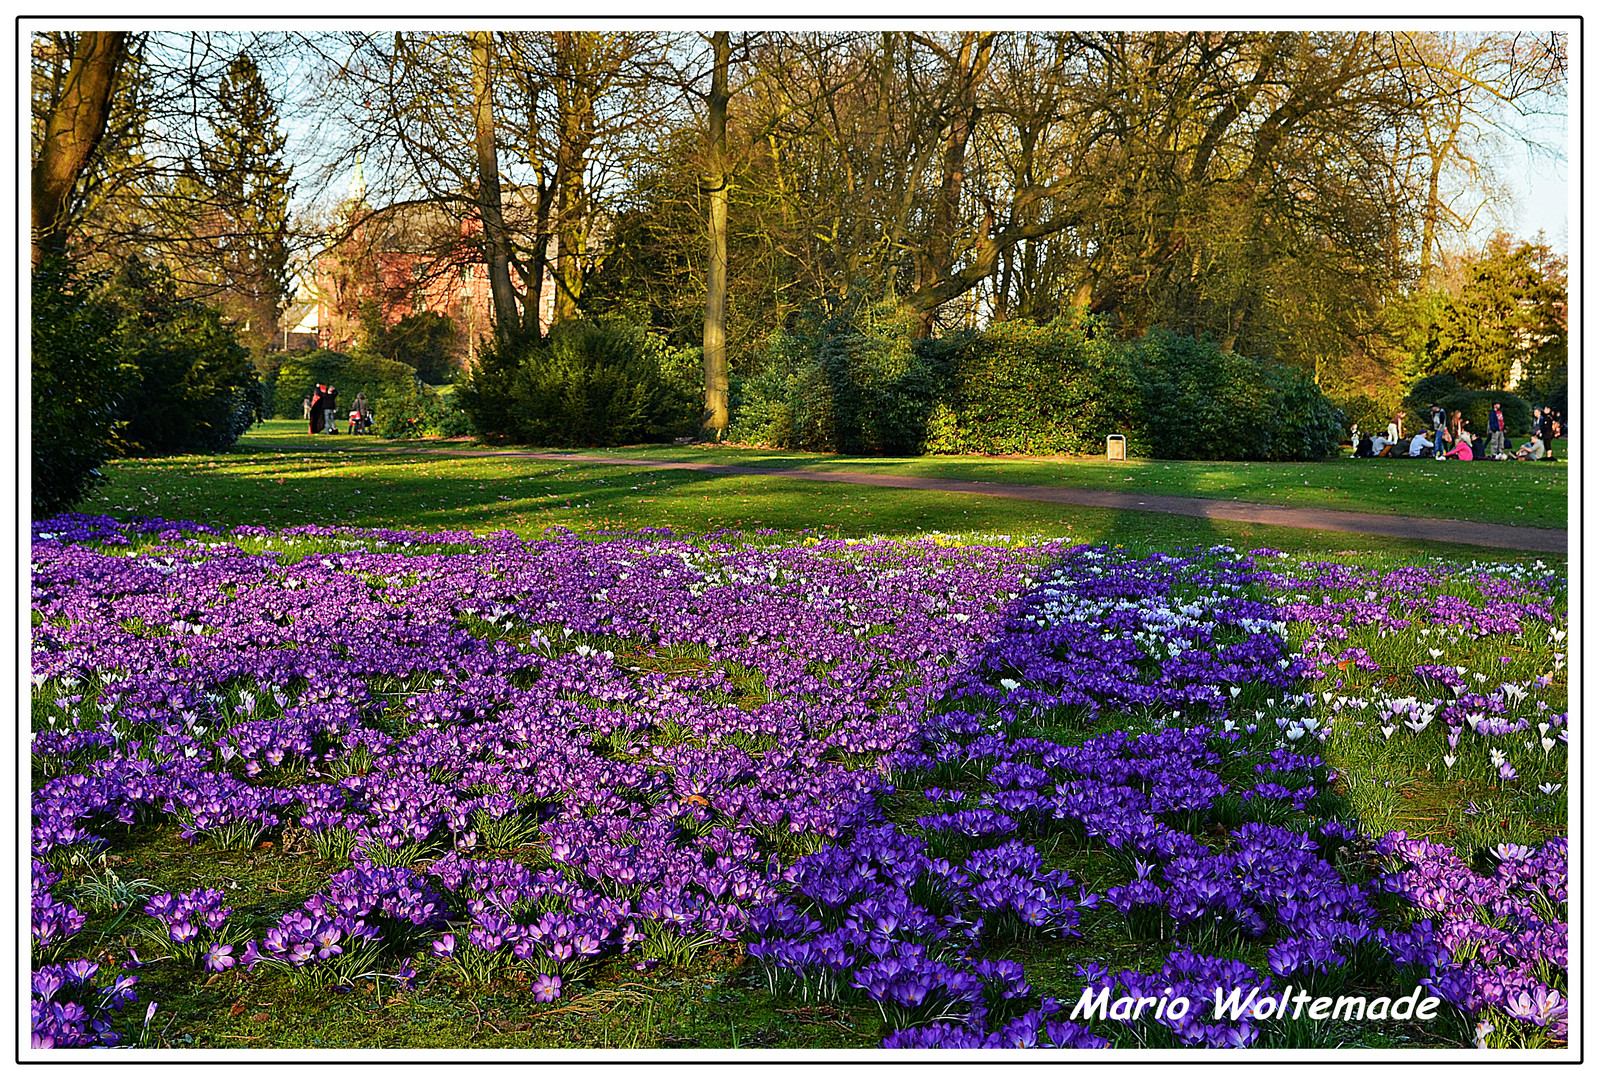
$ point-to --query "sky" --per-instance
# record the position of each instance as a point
(1539, 186)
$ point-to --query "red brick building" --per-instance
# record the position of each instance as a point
(409, 259)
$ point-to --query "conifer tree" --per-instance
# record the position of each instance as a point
(1508, 318)
(246, 188)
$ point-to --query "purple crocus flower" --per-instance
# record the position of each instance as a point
(219, 957)
(546, 988)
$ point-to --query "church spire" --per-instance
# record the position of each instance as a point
(358, 184)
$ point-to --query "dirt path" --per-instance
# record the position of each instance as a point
(1481, 534)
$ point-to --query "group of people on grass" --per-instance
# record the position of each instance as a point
(322, 409)
(1451, 437)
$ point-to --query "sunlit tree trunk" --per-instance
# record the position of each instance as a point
(73, 131)
(495, 243)
(574, 117)
(716, 180)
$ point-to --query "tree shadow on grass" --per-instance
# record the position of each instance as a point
(528, 495)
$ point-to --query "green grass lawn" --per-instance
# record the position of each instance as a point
(1512, 493)
(345, 482)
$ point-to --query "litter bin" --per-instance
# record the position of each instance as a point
(1115, 448)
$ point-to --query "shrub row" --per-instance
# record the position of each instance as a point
(861, 384)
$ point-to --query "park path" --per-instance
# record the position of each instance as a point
(1481, 534)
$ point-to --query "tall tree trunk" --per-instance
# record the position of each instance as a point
(574, 108)
(496, 244)
(716, 181)
(73, 131)
(533, 301)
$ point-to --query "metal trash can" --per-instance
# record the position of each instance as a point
(1115, 448)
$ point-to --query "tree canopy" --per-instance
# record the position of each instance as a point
(1287, 193)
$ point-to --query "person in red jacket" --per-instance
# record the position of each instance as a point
(319, 408)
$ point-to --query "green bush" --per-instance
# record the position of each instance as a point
(589, 384)
(484, 389)
(407, 411)
(197, 388)
(78, 378)
(1544, 383)
(1200, 402)
(1205, 403)
(1020, 388)
(761, 410)
(266, 369)
(683, 371)
(854, 383)
(453, 422)
(351, 373)
(1475, 405)
(1302, 425)
(1432, 389)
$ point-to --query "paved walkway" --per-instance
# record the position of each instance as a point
(1481, 534)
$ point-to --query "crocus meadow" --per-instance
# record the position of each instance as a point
(886, 769)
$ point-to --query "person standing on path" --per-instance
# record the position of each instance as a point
(1496, 433)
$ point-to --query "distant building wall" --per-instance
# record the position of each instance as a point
(404, 283)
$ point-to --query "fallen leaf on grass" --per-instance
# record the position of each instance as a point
(260, 1018)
